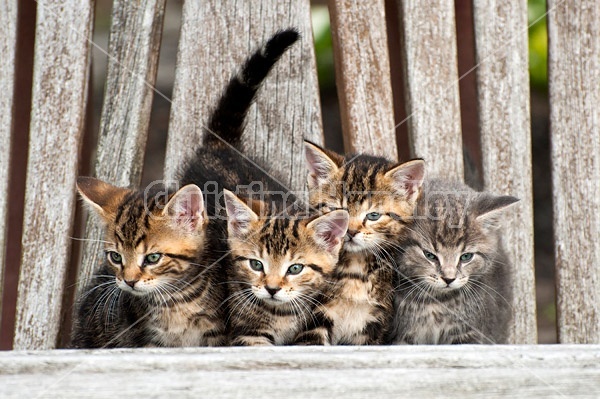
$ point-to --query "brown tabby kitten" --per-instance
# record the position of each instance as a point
(455, 280)
(379, 195)
(281, 267)
(159, 285)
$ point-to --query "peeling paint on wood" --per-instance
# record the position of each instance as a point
(458, 371)
(363, 76)
(132, 64)
(8, 45)
(216, 37)
(574, 73)
(503, 91)
(428, 40)
(60, 80)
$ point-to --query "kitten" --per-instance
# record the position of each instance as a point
(178, 257)
(454, 276)
(379, 195)
(279, 259)
(159, 284)
(280, 270)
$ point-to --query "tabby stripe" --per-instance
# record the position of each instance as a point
(321, 205)
(311, 338)
(255, 333)
(353, 276)
(319, 320)
(315, 268)
(120, 237)
(181, 257)
(213, 333)
(295, 229)
(139, 240)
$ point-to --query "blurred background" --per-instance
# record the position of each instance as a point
(153, 166)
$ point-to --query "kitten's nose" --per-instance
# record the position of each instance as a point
(272, 290)
(131, 283)
(448, 280)
(351, 233)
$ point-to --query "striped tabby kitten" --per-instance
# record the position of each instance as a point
(455, 279)
(159, 284)
(281, 267)
(379, 195)
(170, 290)
(279, 259)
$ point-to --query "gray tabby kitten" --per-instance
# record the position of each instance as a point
(454, 278)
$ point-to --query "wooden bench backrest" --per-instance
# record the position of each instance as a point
(216, 37)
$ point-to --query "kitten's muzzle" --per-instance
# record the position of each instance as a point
(272, 290)
(448, 280)
(350, 235)
(131, 283)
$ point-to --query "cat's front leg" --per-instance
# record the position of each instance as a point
(252, 340)
(316, 336)
(470, 337)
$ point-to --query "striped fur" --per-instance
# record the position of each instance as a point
(189, 261)
(133, 301)
(446, 299)
(271, 304)
(359, 304)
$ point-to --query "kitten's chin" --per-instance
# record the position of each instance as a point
(133, 291)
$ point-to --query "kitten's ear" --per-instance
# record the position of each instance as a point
(102, 197)
(407, 178)
(489, 209)
(239, 215)
(329, 230)
(186, 208)
(321, 165)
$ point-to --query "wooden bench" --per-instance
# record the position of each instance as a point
(215, 38)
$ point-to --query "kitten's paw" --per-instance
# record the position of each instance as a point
(251, 341)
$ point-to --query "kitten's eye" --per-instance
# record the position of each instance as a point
(373, 216)
(429, 255)
(467, 256)
(152, 259)
(115, 257)
(295, 269)
(256, 265)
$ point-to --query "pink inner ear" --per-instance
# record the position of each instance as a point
(187, 208)
(409, 178)
(330, 228)
(319, 166)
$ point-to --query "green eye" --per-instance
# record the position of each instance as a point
(467, 256)
(256, 265)
(115, 257)
(429, 255)
(152, 259)
(295, 269)
(373, 216)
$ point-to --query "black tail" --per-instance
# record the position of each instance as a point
(226, 122)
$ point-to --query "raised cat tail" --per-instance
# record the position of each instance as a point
(226, 122)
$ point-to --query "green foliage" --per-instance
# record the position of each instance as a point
(538, 44)
(323, 46)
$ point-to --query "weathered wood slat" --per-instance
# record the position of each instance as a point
(132, 64)
(216, 37)
(503, 88)
(428, 39)
(300, 372)
(8, 48)
(61, 68)
(363, 76)
(574, 70)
